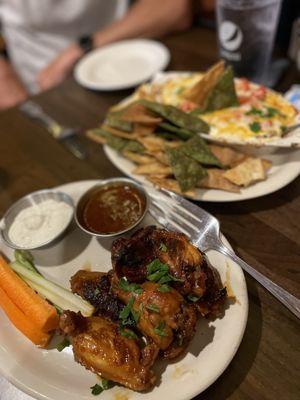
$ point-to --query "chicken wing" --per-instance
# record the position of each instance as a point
(130, 258)
(165, 317)
(99, 347)
(95, 287)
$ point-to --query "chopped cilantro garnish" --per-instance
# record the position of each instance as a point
(128, 333)
(156, 265)
(159, 272)
(127, 309)
(159, 329)
(179, 90)
(105, 384)
(180, 340)
(127, 312)
(283, 129)
(153, 307)
(156, 276)
(193, 298)
(164, 288)
(129, 287)
(269, 112)
(163, 247)
(65, 343)
(136, 315)
(255, 127)
(97, 389)
(255, 111)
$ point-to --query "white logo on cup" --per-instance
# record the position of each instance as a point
(231, 36)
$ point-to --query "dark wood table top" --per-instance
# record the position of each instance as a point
(264, 231)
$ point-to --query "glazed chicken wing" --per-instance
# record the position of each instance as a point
(165, 317)
(95, 287)
(130, 258)
(99, 347)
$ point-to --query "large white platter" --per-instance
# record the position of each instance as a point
(48, 374)
(121, 65)
(286, 167)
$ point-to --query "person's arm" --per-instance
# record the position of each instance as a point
(12, 91)
(146, 18)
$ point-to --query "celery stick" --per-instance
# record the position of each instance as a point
(64, 298)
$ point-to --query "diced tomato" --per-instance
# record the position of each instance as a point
(244, 84)
(260, 93)
(243, 99)
(188, 106)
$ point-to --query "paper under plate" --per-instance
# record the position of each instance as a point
(50, 375)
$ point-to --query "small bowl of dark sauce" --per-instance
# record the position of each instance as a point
(112, 207)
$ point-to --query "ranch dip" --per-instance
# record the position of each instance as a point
(39, 223)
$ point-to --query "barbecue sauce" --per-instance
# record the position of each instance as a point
(113, 208)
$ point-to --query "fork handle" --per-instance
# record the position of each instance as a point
(287, 299)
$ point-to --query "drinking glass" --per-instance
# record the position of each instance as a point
(246, 31)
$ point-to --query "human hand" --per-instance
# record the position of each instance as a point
(12, 89)
(59, 68)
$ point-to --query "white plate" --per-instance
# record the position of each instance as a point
(48, 374)
(122, 65)
(285, 168)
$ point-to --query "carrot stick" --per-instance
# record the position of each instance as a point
(22, 322)
(37, 310)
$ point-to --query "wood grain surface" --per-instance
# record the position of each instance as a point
(264, 231)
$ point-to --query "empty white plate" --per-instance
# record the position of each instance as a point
(121, 65)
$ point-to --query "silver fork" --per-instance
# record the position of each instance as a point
(176, 213)
(67, 136)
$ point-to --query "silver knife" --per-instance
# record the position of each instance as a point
(67, 136)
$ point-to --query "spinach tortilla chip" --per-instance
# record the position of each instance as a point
(177, 117)
(114, 121)
(223, 94)
(187, 171)
(181, 133)
(118, 143)
(197, 149)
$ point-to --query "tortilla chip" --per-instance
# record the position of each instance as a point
(143, 129)
(227, 156)
(223, 94)
(177, 117)
(140, 114)
(119, 133)
(161, 157)
(170, 184)
(155, 144)
(266, 164)
(187, 171)
(216, 180)
(154, 168)
(249, 171)
(197, 149)
(140, 159)
(114, 120)
(92, 134)
(175, 131)
(199, 92)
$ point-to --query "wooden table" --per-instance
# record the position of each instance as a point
(264, 231)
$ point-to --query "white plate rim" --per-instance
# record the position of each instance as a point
(32, 392)
(162, 63)
(294, 171)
